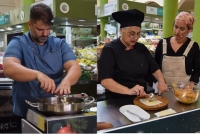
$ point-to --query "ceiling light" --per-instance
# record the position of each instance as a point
(18, 26)
(80, 25)
(2, 30)
(9, 28)
(156, 19)
(81, 20)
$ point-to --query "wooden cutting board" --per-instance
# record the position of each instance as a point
(104, 125)
(162, 105)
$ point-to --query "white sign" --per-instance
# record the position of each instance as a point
(1, 43)
(110, 7)
(151, 10)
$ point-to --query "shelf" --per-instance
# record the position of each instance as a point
(60, 34)
(84, 38)
(151, 29)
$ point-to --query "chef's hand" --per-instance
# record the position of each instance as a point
(162, 87)
(137, 90)
(63, 88)
(191, 85)
(46, 83)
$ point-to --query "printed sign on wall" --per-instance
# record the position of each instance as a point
(110, 7)
(151, 10)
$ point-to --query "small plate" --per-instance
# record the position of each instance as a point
(134, 109)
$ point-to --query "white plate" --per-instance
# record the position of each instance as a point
(134, 109)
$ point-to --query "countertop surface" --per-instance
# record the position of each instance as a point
(108, 111)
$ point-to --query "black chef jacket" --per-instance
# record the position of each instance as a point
(192, 65)
(127, 67)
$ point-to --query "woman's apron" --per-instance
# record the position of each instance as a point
(173, 67)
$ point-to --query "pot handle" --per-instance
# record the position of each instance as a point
(87, 101)
(32, 104)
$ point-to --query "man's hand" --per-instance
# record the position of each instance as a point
(162, 87)
(46, 83)
(63, 88)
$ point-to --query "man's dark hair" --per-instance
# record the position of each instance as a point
(41, 12)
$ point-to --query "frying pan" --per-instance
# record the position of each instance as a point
(54, 105)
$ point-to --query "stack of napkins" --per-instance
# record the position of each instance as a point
(165, 112)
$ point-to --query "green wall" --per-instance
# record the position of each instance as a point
(196, 28)
(170, 13)
(135, 5)
(27, 3)
(78, 9)
(15, 16)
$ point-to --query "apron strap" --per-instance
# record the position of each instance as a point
(188, 48)
(164, 46)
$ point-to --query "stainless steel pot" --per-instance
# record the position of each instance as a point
(54, 105)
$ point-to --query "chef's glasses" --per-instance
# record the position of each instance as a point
(134, 35)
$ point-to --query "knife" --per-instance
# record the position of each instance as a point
(141, 118)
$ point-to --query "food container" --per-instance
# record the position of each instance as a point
(184, 93)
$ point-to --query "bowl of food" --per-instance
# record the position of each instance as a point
(184, 93)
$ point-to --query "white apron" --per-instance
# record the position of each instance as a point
(173, 67)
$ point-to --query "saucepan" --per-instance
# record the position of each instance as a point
(61, 105)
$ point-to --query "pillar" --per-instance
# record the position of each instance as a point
(170, 10)
(196, 28)
(103, 22)
(25, 3)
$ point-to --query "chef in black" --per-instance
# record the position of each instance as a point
(124, 63)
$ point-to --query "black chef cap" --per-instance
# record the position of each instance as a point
(128, 18)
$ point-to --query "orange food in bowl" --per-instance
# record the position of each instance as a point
(187, 96)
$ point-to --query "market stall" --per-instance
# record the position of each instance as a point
(67, 22)
(151, 28)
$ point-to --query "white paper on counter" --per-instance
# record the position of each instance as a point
(165, 112)
(150, 103)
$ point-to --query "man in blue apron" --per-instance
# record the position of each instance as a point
(35, 61)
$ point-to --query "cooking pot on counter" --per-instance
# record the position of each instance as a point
(56, 106)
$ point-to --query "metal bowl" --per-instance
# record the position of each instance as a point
(184, 93)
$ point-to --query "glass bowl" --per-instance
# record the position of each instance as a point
(184, 93)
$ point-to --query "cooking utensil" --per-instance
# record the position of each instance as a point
(162, 105)
(54, 105)
(151, 97)
(136, 115)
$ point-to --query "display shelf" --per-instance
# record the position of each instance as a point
(146, 29)
(60, 34)
(84, 38)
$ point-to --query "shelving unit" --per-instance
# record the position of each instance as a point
(84, 38)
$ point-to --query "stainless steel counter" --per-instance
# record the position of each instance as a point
(6, 84)
(108, 111)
